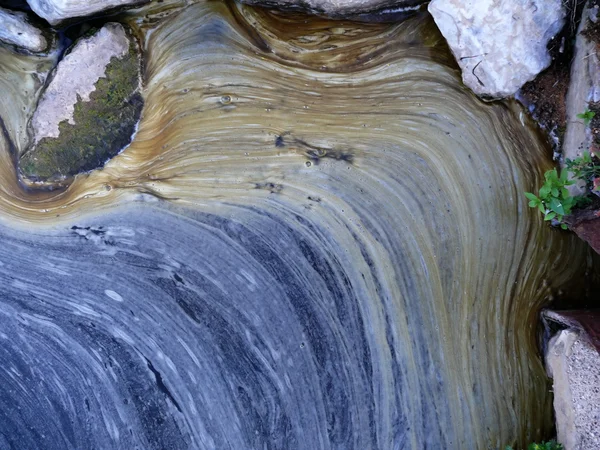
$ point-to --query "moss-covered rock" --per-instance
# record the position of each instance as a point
(96, 127)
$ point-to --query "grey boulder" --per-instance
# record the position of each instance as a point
(16, 30)
(56, 11)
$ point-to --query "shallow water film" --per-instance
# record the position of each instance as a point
(316, 240)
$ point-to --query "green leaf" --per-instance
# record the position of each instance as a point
(564, 192)
(549, 216)
(531, 196)
(587, 116)
(556, 206)
(568, 204)
(545, 191)
(554, 192)
(542, 208)
(564, 176)
(551, 175)
(564, 227)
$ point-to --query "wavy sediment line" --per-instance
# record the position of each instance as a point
(344, 258)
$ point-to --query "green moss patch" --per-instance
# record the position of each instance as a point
(103, 126)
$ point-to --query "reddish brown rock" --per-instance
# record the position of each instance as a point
(586, 224)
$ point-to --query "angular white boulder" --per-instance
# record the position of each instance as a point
(499, 44)
(55, 11)
(16, 30)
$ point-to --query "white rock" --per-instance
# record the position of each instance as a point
(75, 78)
(343, 7)
(55, 11)
(574, 365)
(16, 30)
(499, 44)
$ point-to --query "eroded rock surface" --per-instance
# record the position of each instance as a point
(16, 30)
(499, 44)
(89, 109)
(55, 11)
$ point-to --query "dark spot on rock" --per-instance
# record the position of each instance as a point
(317, 154)
(178, 278)
(273, 188)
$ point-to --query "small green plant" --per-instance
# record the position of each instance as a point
(587, 116)
(554, 200)
(550, 445)
(584, 168)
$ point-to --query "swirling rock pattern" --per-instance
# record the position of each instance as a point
(316, 240)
